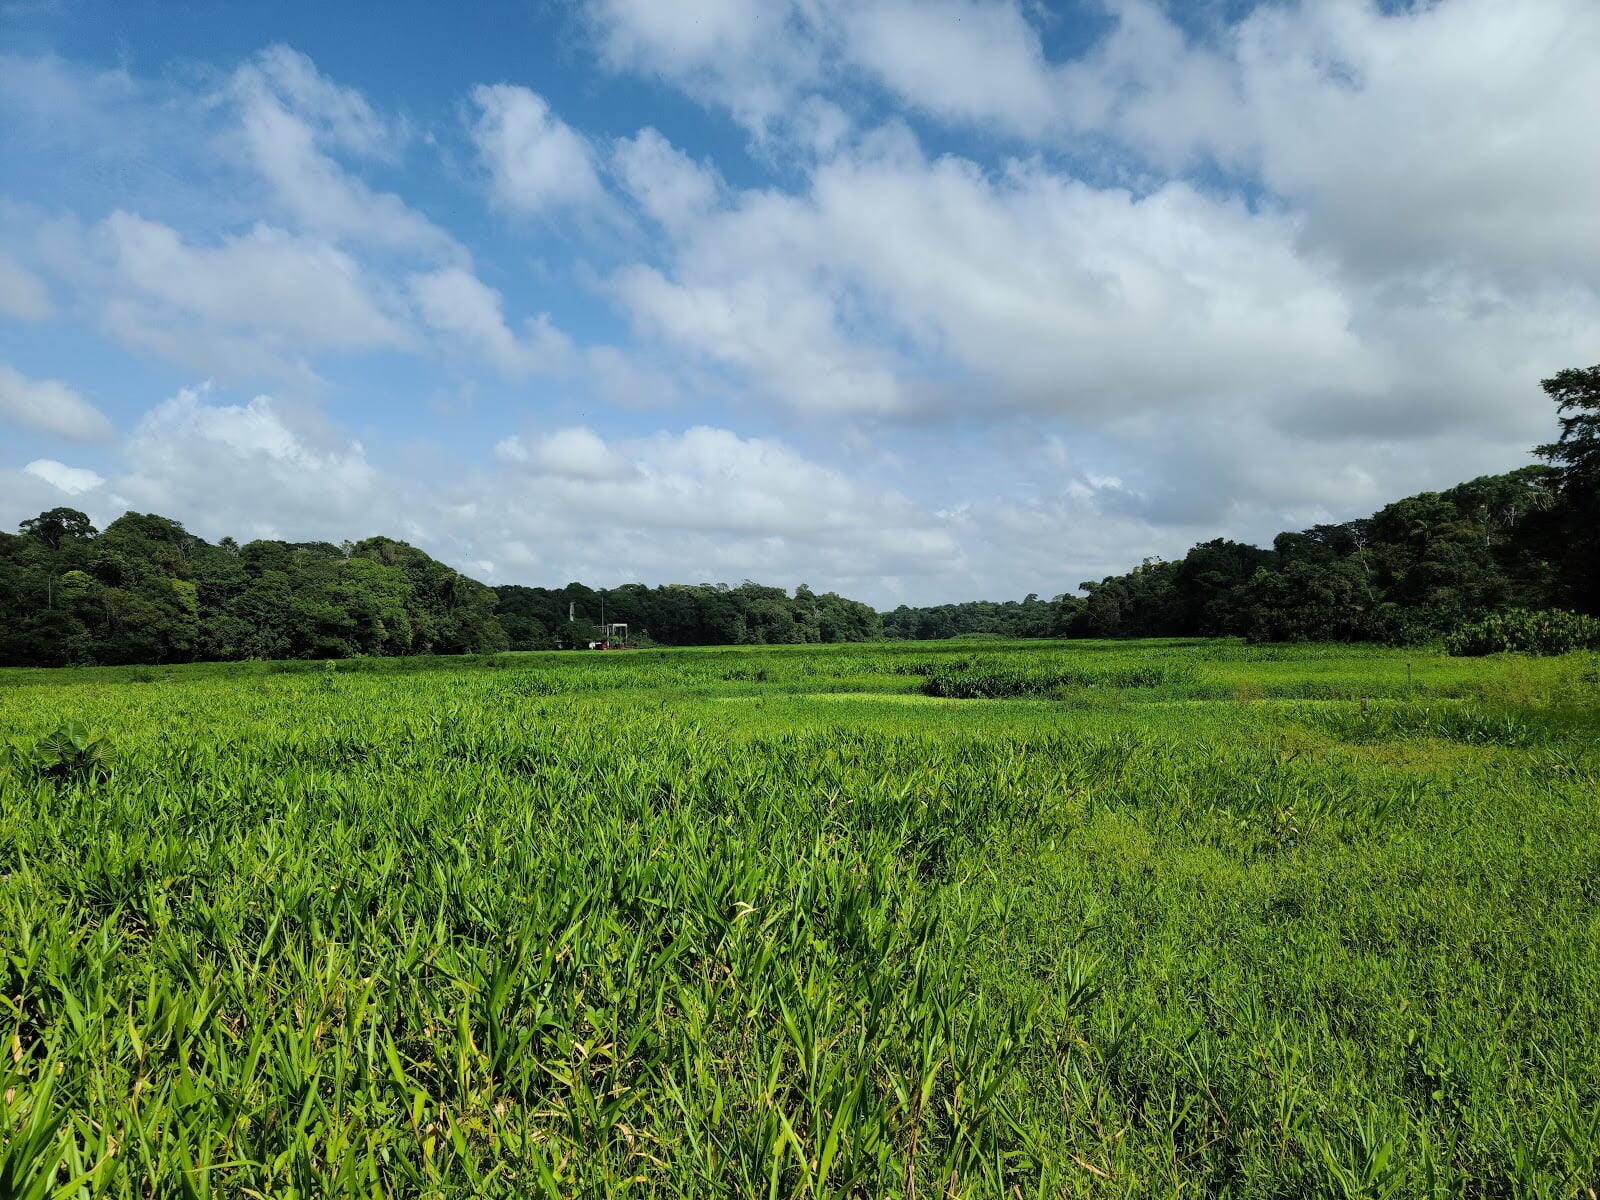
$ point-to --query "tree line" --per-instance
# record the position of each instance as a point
(1420, 567)
(146, 590)
(1030, 617)
(678, 614)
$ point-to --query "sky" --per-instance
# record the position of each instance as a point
(915, 300)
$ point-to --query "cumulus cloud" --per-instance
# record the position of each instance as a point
(255, 469)
(576, 453)
(254, 303)
(665, 182)
(23, 294)
(1423, 133)
(537, 163)
(750, 56)
(780, 331)
(290, 119)
(24, 494)
(303, 290)
(49, 406)
(1458, 132)
(74, 481)
(970, 60)
(464, 309)
(897, 283)
(704, 504)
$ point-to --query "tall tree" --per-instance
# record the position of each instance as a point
(1576, 455)
(54, 526)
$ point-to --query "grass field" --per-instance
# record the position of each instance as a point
(1150, 919)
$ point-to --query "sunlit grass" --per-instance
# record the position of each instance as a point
(1194, 919)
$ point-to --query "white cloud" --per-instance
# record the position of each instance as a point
(253, 470)
(1080, 299)
(74, 481)
(671, 187)
(304, 290)
(632, 382)
(900, 284)
(708, 482)
(1434, 133)
(780, 329)
(1221, 358)
(254, 303)
(23, 495)
(748, 55)
(991, 517)
(49, 406)
(705, 504)
(463, 308)
(1454, 132)
(23, 294)
(968, 60)
(60, 105)
(576, 453)
(289, 117)
(537, 163)
(341, 115)
(771, 63)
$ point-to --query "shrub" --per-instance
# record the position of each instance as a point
(69, 752)
(1545, 631)
(999, 684)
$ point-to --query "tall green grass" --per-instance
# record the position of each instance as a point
(1220, 924)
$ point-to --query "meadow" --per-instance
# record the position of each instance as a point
(1086, 919)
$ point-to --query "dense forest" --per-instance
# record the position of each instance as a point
(684, 615)
(1027, 618)
(1422, 566)
(145, 590)
(1417, 568)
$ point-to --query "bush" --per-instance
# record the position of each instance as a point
(1546, 631)
(72, 752)
(1000, 684)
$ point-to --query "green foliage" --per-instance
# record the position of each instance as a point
(1576, 393)
(1028, 617)
(147, 591)
(1573, 536)
(1310, 921)
(1548, 631)
(683, 615)
(992, 684)
(70, 752)
(1410, 573)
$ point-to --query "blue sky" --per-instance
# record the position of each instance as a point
(921, 300)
